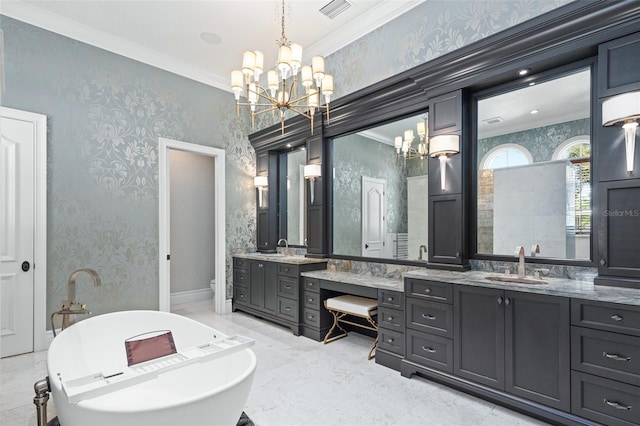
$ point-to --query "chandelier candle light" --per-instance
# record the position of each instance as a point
(403, 144)
(281, 92)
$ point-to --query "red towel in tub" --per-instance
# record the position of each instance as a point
(141, 349)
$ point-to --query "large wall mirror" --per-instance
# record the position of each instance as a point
(534, 169)
(293, 216)
(380, 191)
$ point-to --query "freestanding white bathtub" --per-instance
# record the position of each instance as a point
(211, 392)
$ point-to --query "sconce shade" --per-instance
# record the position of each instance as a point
(624, 108)
(621, 108)
(312, 171)
(260, 181)
(444, 144)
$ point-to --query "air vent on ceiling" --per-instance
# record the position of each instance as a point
(335, 8)
(494, 120)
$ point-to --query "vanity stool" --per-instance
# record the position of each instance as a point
(342, 306)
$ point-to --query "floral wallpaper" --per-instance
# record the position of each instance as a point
(105, 116)
(106, 113)
(540, 142)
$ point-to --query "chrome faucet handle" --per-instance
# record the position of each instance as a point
(535, 249)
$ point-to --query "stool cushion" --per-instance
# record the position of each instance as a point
(352, 304)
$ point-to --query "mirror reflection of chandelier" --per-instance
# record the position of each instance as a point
(404, 144)
(281, 93)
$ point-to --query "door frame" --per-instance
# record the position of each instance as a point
(40, 341)
(220, 294)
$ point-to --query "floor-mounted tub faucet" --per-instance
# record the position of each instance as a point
(71, 307)
(422, 249)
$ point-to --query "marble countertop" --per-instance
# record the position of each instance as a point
(554, 286)
(395, 284)
(280, 258)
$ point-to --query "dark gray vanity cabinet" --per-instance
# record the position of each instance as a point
(429, 319)
(445, 230)
(316, 320)
(391, 328)
(270, 290)
(513, 341)
(617, 207)
(605, 362)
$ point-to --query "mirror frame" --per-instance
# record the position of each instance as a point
(472, 161)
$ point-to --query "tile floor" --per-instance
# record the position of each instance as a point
(298, 382)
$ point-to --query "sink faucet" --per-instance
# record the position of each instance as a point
(423, 249)
(535, 249)
(520, 253)
(286, 245)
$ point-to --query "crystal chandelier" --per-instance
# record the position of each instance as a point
(281, 93)
(403, 145)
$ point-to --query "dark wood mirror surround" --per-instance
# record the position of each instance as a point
(609, 31)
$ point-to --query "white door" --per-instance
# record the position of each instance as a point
(17, 231)
(373, 209)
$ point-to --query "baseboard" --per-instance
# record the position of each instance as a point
(228, 306)
(191, 296)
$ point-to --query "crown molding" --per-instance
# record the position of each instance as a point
(55, 23)
(369, 21)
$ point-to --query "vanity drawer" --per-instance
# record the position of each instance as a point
(312, 284)
(390, 340)
(430, 290)
(239, 262)
(606, 316)
(288, 287)
(429, 350)
(241, 295)
(288, 309)
(392, 319)
(430, 317)
(311, 317)
(312, 300)
(241, 277)
(605, 401)
(606, 354)
(391, 299)
(286, 269)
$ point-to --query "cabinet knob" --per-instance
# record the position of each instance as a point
(499, 300)
(617, 405)
(616, 317)
(389, 340)
(429, 317)
(390, 299)
(458, 254)
(288, 287)
(310, 300)
(430, 350)
(287, 308)
(310, 316)
(427, 290)
(242, 296)
(390, 319)
(507, 301)
(603, 262)
(260, 265)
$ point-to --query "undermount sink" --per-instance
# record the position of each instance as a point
(515, 280)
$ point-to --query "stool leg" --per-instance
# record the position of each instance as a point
(375, 342)
(336, 323)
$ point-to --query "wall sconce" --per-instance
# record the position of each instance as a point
(624, 109)
(442, 146)
(311, 172)
(260, 182)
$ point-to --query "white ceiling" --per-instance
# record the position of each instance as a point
(167, 33)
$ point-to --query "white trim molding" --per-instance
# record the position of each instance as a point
(220, 302)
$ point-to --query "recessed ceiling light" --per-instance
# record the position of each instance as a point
(210, 38)
(534, 111)
(288, 145)
(523, 72)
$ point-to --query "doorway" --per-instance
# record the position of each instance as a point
(23, 231)
(218, 217)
